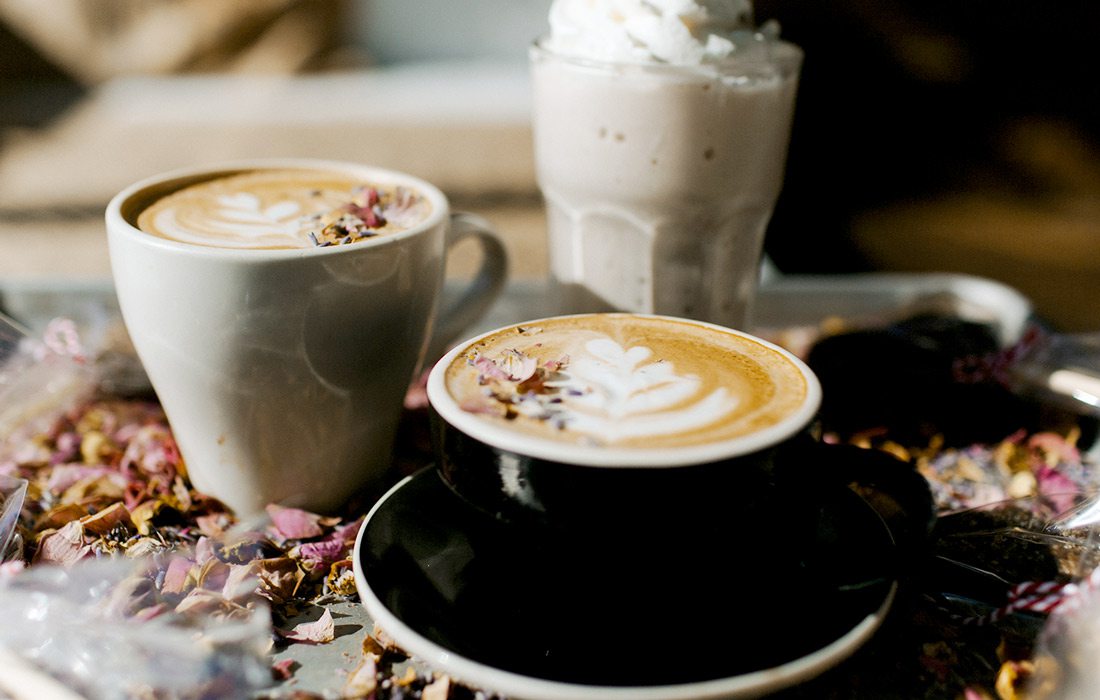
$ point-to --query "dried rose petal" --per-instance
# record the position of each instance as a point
(318, 554)
(106, 520)
(65, 546)
(488, 370)
(518, 366)
(438, 689)
(1057, 488)
(320, 631)
(294, 523)
(363, 681)
(1055, 447)
(212, 575)
(242, 582)
(556, 365)
(176, 576)
(283, 670)
(280, 578)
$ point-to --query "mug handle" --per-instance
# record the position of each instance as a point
(459, 313)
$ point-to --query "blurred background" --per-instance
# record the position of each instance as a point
(930, 135)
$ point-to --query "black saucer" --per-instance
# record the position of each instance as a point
(765, 596)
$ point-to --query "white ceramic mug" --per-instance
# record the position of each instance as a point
(283, 371)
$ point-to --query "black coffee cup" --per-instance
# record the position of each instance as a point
(571, 479)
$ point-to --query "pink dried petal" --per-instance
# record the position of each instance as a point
(202, 601)
(363, 681)
(1057, 488)
(176, 575)
(481, 406)
(242, 582)
(204, 550)
(10, 569)
(1055, 446)
(320, 631)
(283, 670)
(213, 525)
(294, 523)
(439, 689)
(324, 553)
(151, 452)
(213, 575)
(66, 546)
(556, 365)
(64, 476)
(347, 532)
(67, 448)
(488, 370)
(519, 367)
(150, 612)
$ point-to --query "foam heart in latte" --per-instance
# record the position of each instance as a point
(628, 381)
(283, 208)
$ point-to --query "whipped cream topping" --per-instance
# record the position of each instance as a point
(681, 32)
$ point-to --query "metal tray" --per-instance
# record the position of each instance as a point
(783, 302)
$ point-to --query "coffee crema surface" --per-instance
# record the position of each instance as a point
(620, 380)
(283, 208)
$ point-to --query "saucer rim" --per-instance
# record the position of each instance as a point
(516, 685)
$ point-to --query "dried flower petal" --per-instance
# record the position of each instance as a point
(438, 689)
(106, 520)
(294, 523)
(363, 681)
(283, 670)
(320, 631)
(65, 546)
(177, 577)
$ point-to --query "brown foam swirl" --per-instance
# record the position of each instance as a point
(283, 209)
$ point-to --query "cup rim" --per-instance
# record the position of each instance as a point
(120, 222)
(479, 429)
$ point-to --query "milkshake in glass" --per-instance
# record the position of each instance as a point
(661, 130)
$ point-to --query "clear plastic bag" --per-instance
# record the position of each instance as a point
(98, 629)
(12, 493)
(39, 378)
(104, 628)
(1006, 562)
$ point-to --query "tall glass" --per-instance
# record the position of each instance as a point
(659, 180)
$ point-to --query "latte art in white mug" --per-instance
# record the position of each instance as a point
(283, 209)
(626, 381)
